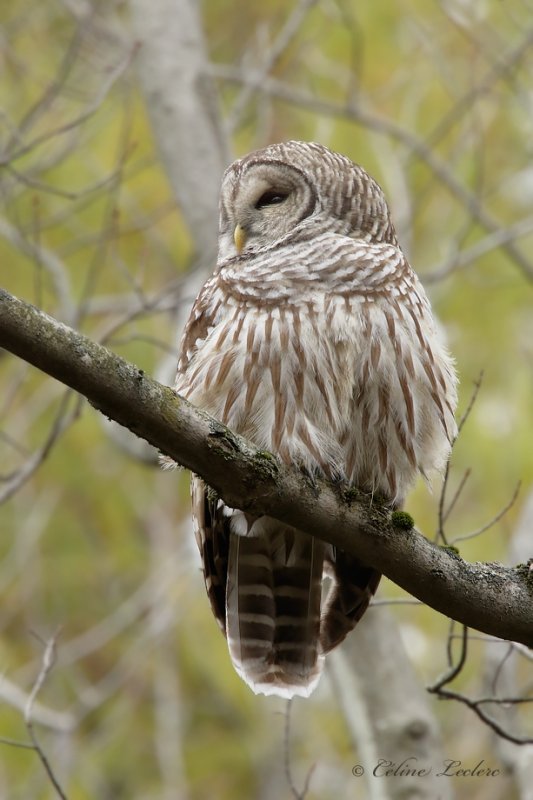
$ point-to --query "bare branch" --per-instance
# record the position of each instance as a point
(490, 242)
(443, 511)
(62, 422)
(47, 259)
(287, 767)
(496, 518)
(77, 121)
(454, 669)
(475, 705)
(456, 495)
(489, 597)
(471, 403)
(13, 695)
(498, 71)
(288, 32)
(48, 662)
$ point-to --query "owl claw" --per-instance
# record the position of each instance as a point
(311, 476)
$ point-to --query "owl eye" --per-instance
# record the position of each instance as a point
(270, 198)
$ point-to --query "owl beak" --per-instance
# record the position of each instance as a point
(239, 237)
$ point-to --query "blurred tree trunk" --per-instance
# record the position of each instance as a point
(387, 713)
(501, 676)
(183, 107)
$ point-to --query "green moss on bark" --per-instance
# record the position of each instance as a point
(402, 520)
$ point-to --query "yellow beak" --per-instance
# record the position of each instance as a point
(239, 237)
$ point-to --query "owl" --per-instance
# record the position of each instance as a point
(314, 339)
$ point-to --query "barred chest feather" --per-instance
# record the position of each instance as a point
(355, 386)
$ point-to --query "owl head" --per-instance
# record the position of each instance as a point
(298, 190)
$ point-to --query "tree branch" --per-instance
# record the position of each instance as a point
(489, 597)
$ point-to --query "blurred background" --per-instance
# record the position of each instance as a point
(116, 122)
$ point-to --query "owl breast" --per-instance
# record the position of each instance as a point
(337, 384)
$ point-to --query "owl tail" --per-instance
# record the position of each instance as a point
(273, 599)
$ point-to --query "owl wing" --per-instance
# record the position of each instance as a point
(211, 526)
(212, 532)
(353, 585)
(201, 320)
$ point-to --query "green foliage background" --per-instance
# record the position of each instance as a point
(98, 543)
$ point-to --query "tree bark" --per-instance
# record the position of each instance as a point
(490, 597)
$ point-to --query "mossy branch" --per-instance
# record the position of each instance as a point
(492, 598)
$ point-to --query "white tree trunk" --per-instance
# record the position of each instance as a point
(183, 107)
(518, 759)
(182, 103)
(388, 713)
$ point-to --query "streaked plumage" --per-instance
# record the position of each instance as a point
(315, 340)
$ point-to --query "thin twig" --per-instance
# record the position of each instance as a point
(486, 245)
(440, 510)
(287, 759)
(291, 28)
(454, 669)
(397, 601)
(61, 423)
(504, 701)
(443, 513)
(526, 652)
(91, 109)
(48, 661)
(58, 721)
(457, 493)
(52, 90)
(498, 71)
(471, 402)
(447, 694)
(492, 521)
(473, 705)
(15, 743)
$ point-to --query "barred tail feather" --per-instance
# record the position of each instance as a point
(273, 597)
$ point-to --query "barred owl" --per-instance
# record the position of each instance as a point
(315, 340)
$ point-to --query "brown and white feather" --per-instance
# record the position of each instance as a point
(316, 342)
